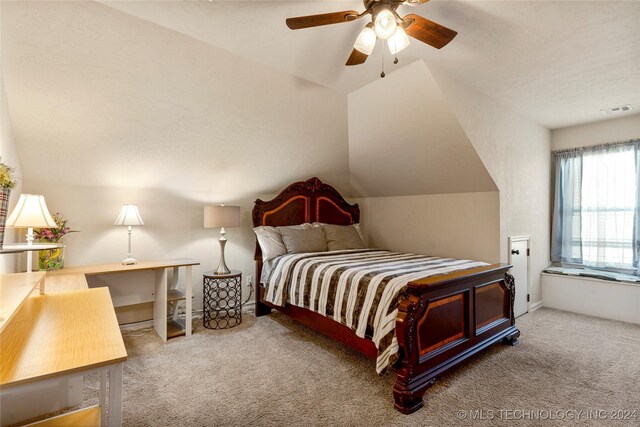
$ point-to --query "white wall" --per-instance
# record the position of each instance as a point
(422, 186)
(601, 298)
(603, 132)
(462, 225)
(9, 156)
(515, 151)
(405, 140)
(110, 109)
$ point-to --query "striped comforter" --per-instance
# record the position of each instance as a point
(358, 288)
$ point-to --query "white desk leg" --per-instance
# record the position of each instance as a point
(160, 304)
(30, 261)
(188, 291)
(174, 278)
(174, 285)
(103, 397)
(115, 395)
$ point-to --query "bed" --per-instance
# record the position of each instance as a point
(439, 311)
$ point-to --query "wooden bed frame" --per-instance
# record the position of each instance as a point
(445, 320)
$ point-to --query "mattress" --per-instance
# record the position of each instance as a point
(360, 289)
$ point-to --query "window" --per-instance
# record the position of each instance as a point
(596, 218)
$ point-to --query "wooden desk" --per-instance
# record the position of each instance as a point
(119, 268)
(61, 335)
(75, 278)
(14, 291)
(65, 282)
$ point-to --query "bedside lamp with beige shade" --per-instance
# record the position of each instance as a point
(130, 217)
(220, 217)
(30, 212)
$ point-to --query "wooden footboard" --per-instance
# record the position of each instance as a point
(447, 319)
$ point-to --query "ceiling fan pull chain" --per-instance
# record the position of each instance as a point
(382, 74)
(395, 47)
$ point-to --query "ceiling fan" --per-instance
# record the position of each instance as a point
(385, 24)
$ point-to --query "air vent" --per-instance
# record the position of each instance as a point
(616, 110)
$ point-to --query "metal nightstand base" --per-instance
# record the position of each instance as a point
(222, 304)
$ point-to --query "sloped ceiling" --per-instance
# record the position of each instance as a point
(556, 62)
(101, 98)
(84, 65)
(404, 139)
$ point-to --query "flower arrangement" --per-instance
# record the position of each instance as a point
(54, 235)
(6, 176)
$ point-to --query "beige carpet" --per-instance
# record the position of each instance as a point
(271, 371)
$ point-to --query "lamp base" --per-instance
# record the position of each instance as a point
(129, 261)
(222, 266)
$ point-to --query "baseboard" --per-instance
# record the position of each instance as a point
(136, 325)
(195, 314)
(535, 306)
(248, 307)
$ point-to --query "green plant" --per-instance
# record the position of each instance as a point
(6, 176)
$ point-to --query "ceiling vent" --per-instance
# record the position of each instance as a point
(616, 110)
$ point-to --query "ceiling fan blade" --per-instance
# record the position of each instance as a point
(322, 19)
(427, 31)
(414, 2)
(356, 58)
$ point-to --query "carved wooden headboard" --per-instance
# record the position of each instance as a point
(304, 201)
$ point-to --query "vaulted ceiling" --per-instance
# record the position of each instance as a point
(556, 62)
(392, 153)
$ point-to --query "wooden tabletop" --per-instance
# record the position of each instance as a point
(14, 291)
(78, 327)
(65, 282)
(119, 268)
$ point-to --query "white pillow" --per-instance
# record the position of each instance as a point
(270, 240)
(356, 226)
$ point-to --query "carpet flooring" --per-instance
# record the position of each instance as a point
(271, 371)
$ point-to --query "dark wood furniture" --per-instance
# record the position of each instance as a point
(445, 320)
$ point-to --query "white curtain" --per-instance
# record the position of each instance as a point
(596, 218)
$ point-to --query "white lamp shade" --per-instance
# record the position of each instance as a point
(366, 40)
(385, 24)
(221, 216)
(129, 215)
(398, 41)
(31, 212)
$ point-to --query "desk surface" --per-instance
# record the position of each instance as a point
(65, 282)
(59, 334)
(14, 291)
(119, 268)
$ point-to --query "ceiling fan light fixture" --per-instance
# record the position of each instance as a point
(399, 41)
(385, 24)
(366, 40)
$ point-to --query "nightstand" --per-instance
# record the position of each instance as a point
(222, 304)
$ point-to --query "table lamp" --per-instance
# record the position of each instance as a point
(220, 217)
(30, 212)
(129, 216)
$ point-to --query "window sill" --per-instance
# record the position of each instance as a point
(594, 275)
